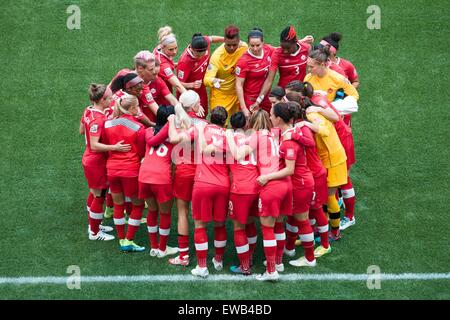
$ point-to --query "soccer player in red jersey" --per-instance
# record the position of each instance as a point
(183, 135)
(251, 72)
(165, 53)
(211, 191)
(130, 83)
(94, 157)
(123, 168)
(294, 154)
(193, 64)
(155, 185)
(244, 195)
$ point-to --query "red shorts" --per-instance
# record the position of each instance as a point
(349, 148)
(320, 191)
(265, 104)
(210, 202)
(242, 206)
(128, 186)
(182, 188)
(95, 176)
(302, 198)
(161, 192)
(276, 199)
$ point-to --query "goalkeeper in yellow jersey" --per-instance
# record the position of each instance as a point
(220, 76)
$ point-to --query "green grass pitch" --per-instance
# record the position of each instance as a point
(401, 135)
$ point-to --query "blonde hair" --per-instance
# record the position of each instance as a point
(260, 120)
(124, 103)
(187, 101)
(166, 36)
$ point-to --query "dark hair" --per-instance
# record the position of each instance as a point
(295, 85)
(120, 82)
(256, 33)
(231, 32)
(286, 111)
(321, 55)
(161, 117)
(301, 113)
(307, 90)
(277, 92)
(96, 91)
(238, 120)
(333, 39)
(288, 34)
(199, 42)
(219, 116)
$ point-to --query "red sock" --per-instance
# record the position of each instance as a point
(109, 200)
(164, 230)
(348, 193)
(152, 227)
(128, 207)
(134, 222)
(322, 226)
(220, 241)
(89, 200)
(291, 233)
(183, 245)
(96, 214)
(242, 248)
(201, 246)
(307, 237)
(280, 236)
(252, 237)
(270, 247)
(119, 220)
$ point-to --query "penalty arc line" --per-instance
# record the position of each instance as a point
(226, 278)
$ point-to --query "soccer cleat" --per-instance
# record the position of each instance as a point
(346, 222)
(278, 267)
(109, 212)
(333, 238)
(274, 276)
(289, 253)
(218, 265)
(154, 252)
(169, 251)
(177, 261)
(102, 228)
(320, 251)
(303, 262)
(200, 272)
(239, 270)
(130, 246)
(101, 236)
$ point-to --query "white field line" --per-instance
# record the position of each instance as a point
(225, 278)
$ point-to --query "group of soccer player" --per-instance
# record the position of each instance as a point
(279, 156)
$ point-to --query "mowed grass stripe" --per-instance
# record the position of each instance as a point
(221, 278)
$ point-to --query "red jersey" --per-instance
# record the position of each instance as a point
(167, 67)
(159, 90)
(292, 150)
(128, 129)
(156, 168)
(93, 121)
(191, 69)
(213, 168)
(266, 146)
(333, 66)
(244, 172)
(312, 156)
(349, 69)
(186, 166)
(291, 66)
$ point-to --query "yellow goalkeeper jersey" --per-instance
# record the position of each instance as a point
(329, 84)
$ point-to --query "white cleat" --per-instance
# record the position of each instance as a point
(274, 276)
(169, 251)
(154, 252)
(346, 222)
(218, 265)
(101, 236)
(177, 261)
(200, 272)
(303, 262)
(289, 253)
(278, 267)
(102, 228)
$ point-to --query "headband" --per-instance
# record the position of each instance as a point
(133, 82)
(325, 43)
